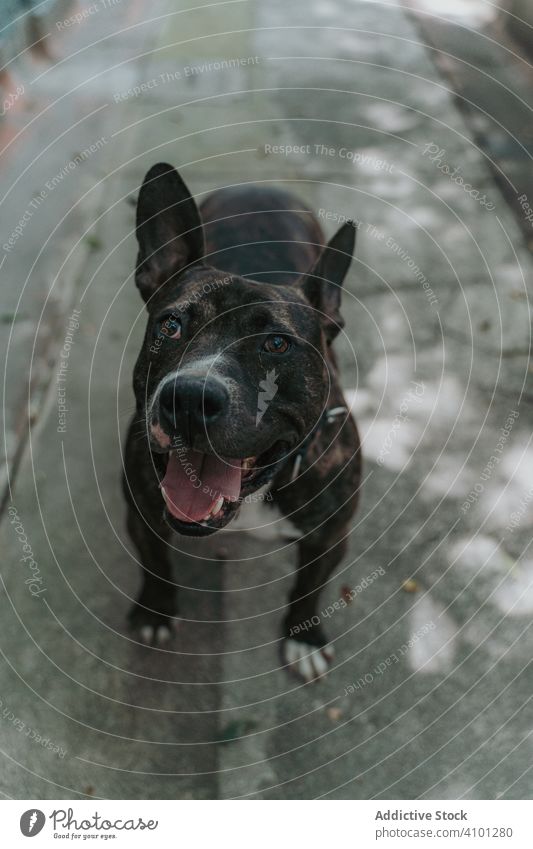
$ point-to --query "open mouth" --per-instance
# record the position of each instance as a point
(202, 492)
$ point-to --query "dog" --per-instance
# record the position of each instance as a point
(236, 389)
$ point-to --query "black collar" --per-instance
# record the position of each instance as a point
(326, 418)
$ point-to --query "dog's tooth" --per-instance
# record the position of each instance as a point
(216, 508)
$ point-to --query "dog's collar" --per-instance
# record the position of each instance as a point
(326, 418)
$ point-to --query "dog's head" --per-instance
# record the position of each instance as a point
(233, 374)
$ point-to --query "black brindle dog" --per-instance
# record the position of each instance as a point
(236, 388)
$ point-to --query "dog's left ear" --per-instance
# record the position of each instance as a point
(169, 229)
(322, 286)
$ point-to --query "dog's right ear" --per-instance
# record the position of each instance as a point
(169, 229)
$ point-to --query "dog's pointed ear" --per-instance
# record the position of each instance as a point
(169, 229)
(322, 286)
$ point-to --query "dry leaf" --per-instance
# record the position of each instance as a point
(334, 713)
(346, 593)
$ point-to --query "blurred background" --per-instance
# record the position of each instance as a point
(415, 119)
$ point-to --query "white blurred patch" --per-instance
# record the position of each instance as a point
(394, 324)
(392, 447)
(507, 498)
(425, 216)
(443, 400)
(515, 595)
(390, 117)
(475, 553)
(502, 580)
(434, 651)
(358, 401)
(389, 373)
(473, 13)
(517, 465)
(507, 506)
(447, 478)
(388, 411)
(393, 186)
(396, 410)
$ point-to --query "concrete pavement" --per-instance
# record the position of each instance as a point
(430, 692)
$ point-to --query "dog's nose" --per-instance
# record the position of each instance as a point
(190, 403)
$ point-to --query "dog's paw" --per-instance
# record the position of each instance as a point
(305, 660)
(157, 635)
(151, 628)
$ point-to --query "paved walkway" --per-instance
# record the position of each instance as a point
(430, 693)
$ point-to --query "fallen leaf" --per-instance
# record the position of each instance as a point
(334, 713)
(93, 242)
(346, 593)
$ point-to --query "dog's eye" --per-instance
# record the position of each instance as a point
(277, 344)
(170, 326)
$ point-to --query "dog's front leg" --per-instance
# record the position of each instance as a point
(153, 614)
(305, 647)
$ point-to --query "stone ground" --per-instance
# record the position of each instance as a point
(435, 361)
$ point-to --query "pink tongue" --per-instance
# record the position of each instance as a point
(194, 482)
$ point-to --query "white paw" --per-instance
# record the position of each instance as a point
(306, 660)
(151, 635)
